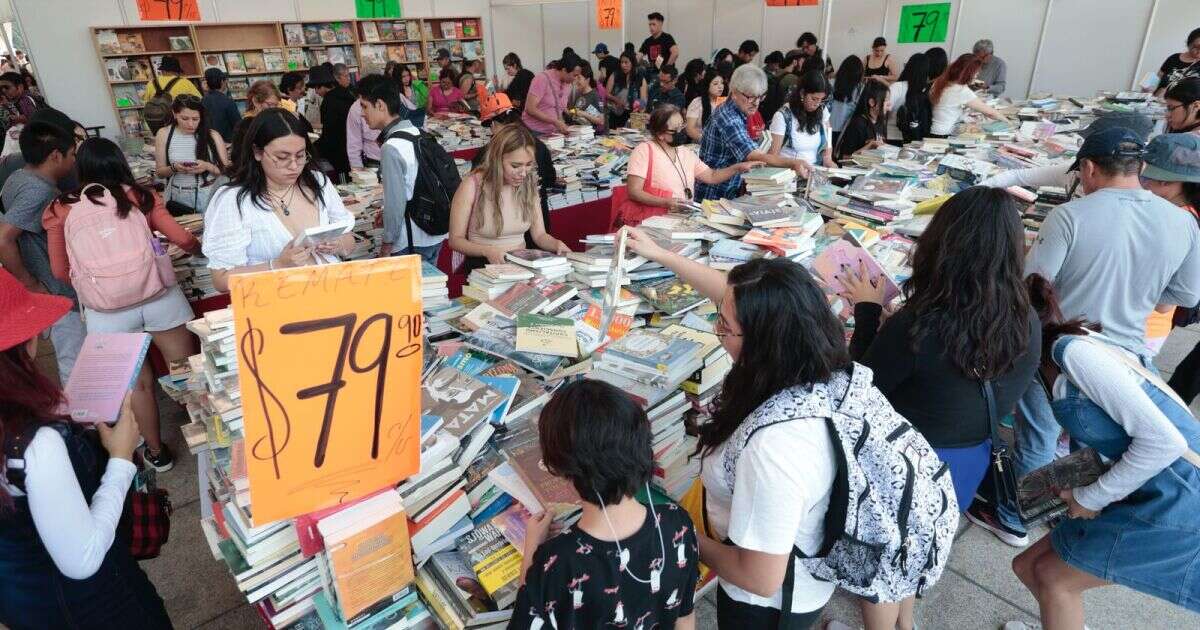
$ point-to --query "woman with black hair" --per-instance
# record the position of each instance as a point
(1133, 525)
(723, 56)
(692, 79)
(626, 89)
(911, 114)
(518, 85)
(938, 62)
(623, 562)
(955, 336)
(866, 128)
(787, 347)
(847, 85)
(1183, 106)
(105, 179)
(801, 130)
(189, 155)
(714, 91)
(275, 194)
(1180, 66)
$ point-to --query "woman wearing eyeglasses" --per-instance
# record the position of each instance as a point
(274, 195)
(801, 130)
(770, 497)
(1183, 106)
(1180, 65)
(189, 155)
(661, 176)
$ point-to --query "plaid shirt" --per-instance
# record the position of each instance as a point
(725, 143)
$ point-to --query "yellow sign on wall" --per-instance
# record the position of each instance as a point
(329, 361)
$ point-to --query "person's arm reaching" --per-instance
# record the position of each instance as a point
(711, 283)
(1052, 175)
(161, 220)
(796, 164)
(543, 239)
(722, 175)
(983, 108)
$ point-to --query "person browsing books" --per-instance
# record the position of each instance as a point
(623, 562)
(662, 177)
(550, 96)
(726, 140)
(446, 97)
(520, 78)
(253, 222)
(65, 559)
(951, 96)
(1183, 106)
(867, 126)
(379, 102)
(105, 180)
(586, 106)
(699, 111)
(335, 109)
(774, 321)
(664, 91)
(659, 47)
(627, 90)
(190, 155)
(498, 112)
(931, 357)
(993, 73)
(497, 203)
(801, 129)
(1124, 527)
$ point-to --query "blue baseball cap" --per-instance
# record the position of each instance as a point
(1112, 142)
(1173, 157)
(600, 49)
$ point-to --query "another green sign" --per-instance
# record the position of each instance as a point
(923, 23)
(367, 9)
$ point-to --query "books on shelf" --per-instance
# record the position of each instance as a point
(254, 61)
(107, 42)
(293, 35)
(127, 95)
(118, 69)
(214, 60)
(139, 69)
(180, 42)
(131, 42)
(273, 60)
(370, 31)
(235, 63)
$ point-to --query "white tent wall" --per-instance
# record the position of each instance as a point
(1065, 46)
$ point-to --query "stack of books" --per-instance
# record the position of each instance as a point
(770, 180)
(492, 280)
(590, 268)
(543, 264)
(435, 294)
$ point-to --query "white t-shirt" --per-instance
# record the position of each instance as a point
(781, 492)
(804, 145)
(949, 108)
(695, 109)
(897, 93)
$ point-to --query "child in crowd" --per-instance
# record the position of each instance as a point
(623, 562)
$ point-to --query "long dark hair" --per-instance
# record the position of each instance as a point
(101, 161)
(967, 286)
(1044, 301)
(624, 79)
(249, 179)
(691, 83)
(849, 76)
(26, 397)
(872, 91)
(938, 60)
(812, 82)
(206, 148)
(706, 105)
(916, 74)
(789, 337)
(723, 56)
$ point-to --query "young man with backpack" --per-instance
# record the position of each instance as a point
(49, 153)
(419, 177)
(161, 91)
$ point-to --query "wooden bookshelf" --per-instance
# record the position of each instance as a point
(133, 52)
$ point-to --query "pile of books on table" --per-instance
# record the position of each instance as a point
(770, 180)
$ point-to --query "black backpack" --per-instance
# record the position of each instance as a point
(157, 110)
(914, 122)
(437, 181)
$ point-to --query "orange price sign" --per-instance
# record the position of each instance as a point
(329, 363)
(608, 14)
(168, 10)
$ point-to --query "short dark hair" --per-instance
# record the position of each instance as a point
(1193, 36)
(375, 88)
(290, 80)
(669, 68)
(655, 16)
(214, 82)
(596, 436)
(569, 62)
(511, 59)
(805, 39)
(1117, 165)
(879, 41)
(748, 47)
(775, 57)
(170, 64)
(13, 78)
(659, 117)
(39, 140)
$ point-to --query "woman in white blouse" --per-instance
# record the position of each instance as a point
(253, 221)
(801, 129)
(64, 557)
(951, 96)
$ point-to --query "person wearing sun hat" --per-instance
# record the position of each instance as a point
(62, 493)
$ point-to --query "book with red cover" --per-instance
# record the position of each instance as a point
(311, 542)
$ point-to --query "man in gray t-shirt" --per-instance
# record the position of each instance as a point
(993, 74)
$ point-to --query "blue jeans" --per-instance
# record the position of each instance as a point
(428, 254)
(1036, 432)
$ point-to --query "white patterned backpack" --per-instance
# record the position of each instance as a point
(892, 513)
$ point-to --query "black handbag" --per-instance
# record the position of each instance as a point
(1002, 471)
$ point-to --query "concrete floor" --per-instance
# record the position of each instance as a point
(978, 590)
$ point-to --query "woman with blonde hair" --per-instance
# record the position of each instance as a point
(261, 95)
(498, 203)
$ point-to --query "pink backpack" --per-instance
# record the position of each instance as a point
(113, 263)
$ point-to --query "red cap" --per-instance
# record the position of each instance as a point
(23, 313)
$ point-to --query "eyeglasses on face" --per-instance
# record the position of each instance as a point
(289, 160)
(754, 100)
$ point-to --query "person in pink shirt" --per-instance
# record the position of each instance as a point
(446, 97)
(361, 147)
(550, 96)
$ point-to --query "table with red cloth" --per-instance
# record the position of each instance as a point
(466, 154)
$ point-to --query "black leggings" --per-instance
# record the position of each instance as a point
(735, 615)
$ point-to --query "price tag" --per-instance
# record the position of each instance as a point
(608, 14)
(923, 23)
(329, 363)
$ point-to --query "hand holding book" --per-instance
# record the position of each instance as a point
(860, 286)
(121, 439)
(1074, 509)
